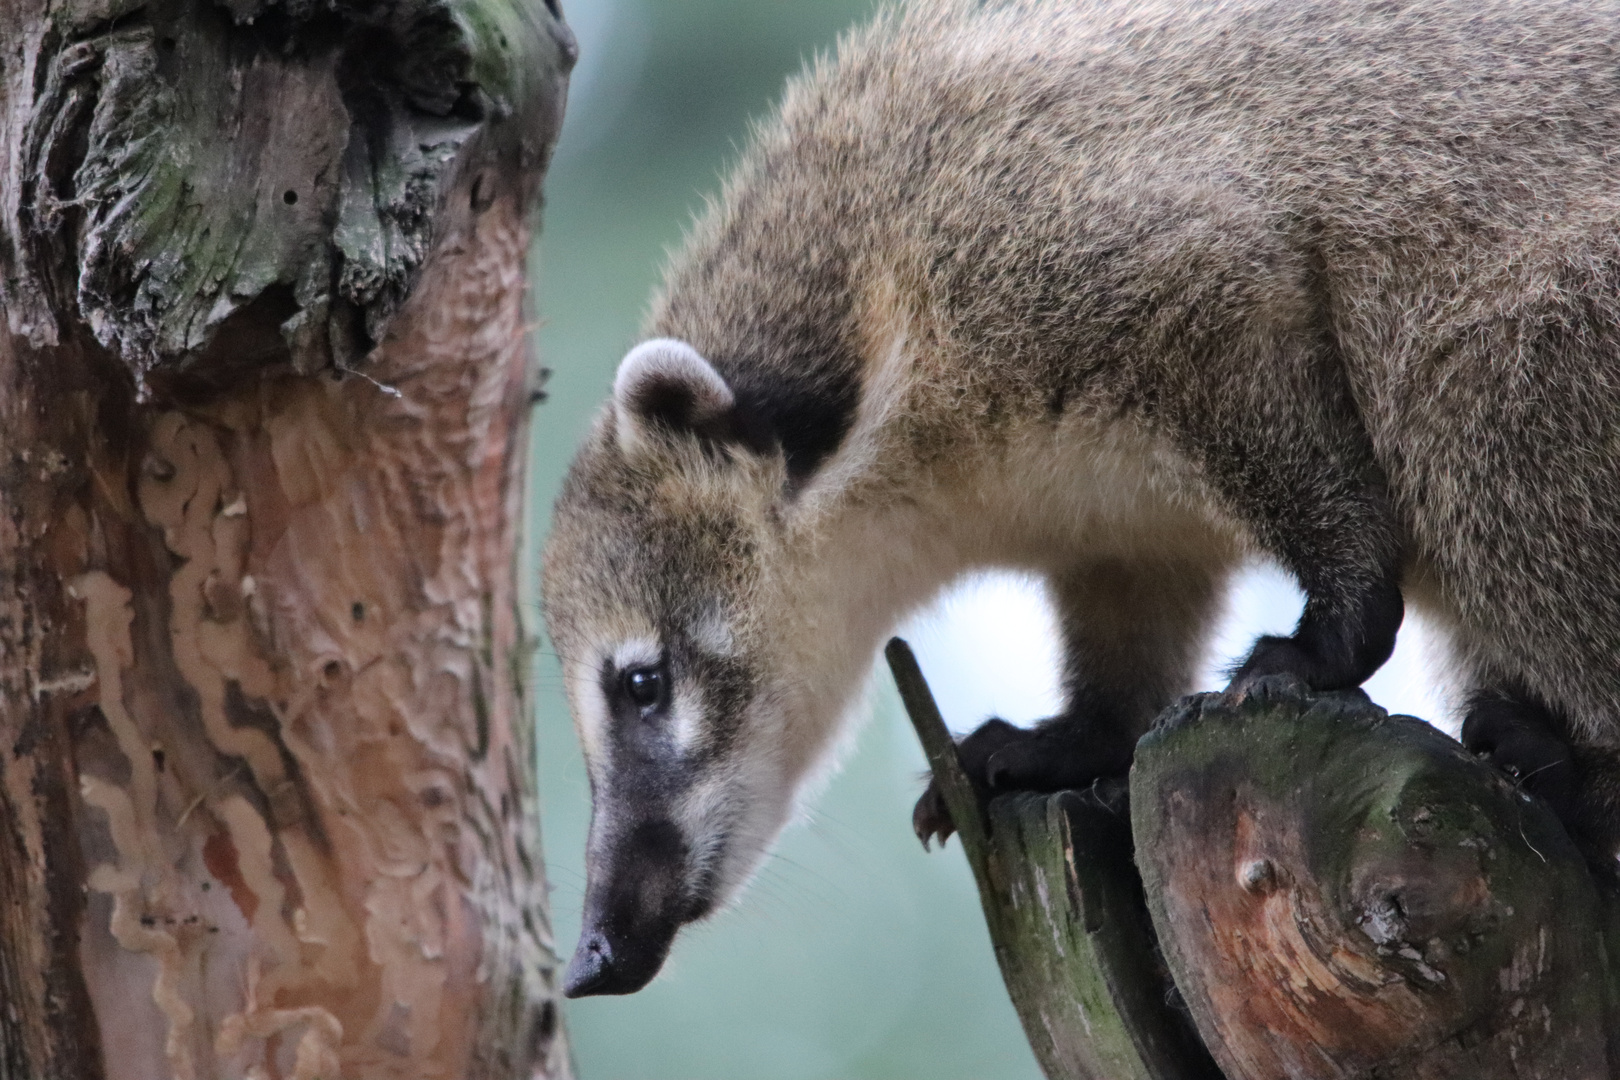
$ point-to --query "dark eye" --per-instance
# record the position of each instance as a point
(644, 686)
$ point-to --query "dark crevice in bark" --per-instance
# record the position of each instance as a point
(131, 207)
(77, 1048)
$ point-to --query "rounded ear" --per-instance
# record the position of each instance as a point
(664, 386)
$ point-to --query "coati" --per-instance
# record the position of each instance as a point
(1122, 292)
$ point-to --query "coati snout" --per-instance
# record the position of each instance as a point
(632, 911)
(1122, 293)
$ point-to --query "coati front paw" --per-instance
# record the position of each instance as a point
(1522, 737)
(1336, 646)
(1055, 755)
(1273, 658)
(930, 817)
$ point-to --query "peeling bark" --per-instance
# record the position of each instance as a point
(266, 803)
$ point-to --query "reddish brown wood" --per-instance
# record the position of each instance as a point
(266, 795)
(1343, 893)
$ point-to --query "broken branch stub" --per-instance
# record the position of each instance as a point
(1340, 893)
(1337, 892)
(211, 187)
(1066, 916)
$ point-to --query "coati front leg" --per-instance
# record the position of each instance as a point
(1283, 449)
(1303, 480)
(1343, 636)
(1132, 634)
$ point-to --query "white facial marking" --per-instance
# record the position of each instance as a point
(591, 717)
(685, 709)
(712, 634)
(636, 652)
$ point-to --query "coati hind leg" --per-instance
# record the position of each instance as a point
(1132, 634)
(1522, 736)
(1527, 739)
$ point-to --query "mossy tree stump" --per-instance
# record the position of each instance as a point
(1334, 892)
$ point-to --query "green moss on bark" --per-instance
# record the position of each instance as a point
(1341, 892)
(1066, 914)
(235, 186)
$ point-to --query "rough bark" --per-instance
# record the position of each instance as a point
(1334, 892)
(1067, 917)
(266, 803)
(1341, 892)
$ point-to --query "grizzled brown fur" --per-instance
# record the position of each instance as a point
(1121, 292)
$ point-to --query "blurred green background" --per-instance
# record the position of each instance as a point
(854, 954)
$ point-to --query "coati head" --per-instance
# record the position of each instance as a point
(673, 552)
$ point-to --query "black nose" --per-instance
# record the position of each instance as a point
(635, 901)
(599, 968)
(591, 969)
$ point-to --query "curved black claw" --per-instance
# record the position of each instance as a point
(1055, 755)
(930, 819)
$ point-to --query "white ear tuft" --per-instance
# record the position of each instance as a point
(666, 383)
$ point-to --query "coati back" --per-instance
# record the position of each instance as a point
(1122, 293)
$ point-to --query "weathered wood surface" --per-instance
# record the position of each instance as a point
(1341, 892)
(1066, 916)
(1337, 892)
(266, 803)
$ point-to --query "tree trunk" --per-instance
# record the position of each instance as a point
(266, 797)
(1334, 892)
